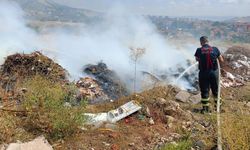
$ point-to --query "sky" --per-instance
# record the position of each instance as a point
(169, 7)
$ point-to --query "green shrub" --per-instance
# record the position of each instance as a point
(44, 103)
(182, 145)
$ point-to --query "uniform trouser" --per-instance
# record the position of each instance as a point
(208, 80)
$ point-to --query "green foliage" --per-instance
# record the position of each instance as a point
(46, 109)
(182, 145)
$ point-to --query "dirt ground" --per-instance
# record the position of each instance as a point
(137, 134)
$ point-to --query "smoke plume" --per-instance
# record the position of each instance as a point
(108, 40)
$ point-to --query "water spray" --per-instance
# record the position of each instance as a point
(184, 72)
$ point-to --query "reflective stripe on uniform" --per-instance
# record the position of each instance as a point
(205, 101)
(207, 104)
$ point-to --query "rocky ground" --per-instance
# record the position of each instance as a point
(173, 121)
(168, 117)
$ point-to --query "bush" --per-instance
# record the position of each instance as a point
(44, 103)
(182, 145)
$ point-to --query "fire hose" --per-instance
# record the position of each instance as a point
(219, 135)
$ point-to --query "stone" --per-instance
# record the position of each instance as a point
(106, 144)
(67, 104)
(145, 111)
(205, 124)
(3, 147)
(151, 121)
(170, 125)
(39, 143)
(201, 144)
(169, 119)
(83, 128)
(115, 147)
(176, 89)
(248, 104)
(111, 126)
(161, 101)
(173, 143)
(182, 96)
(148, 114)
(175, 136)
(195, 99)
(172, 108)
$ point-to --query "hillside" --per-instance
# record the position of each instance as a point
(48, 10)
(241, 19)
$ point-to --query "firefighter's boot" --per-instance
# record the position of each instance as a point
(205, 106)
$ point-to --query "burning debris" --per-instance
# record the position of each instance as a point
(89, 88)
(174, 76)
(21, 66)
(107, 79)
(236, 69)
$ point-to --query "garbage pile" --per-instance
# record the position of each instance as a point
(89, 89)
(236, 68)
(20, 66)
(107, 79)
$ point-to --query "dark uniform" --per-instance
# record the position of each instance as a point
(209, 74)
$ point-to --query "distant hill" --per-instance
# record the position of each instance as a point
(241, 19)
(48, 10)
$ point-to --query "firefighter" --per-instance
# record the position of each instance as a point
(207, 57)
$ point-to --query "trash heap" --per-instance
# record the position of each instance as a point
(236, 68)
(107, 79)
(21, 66)
(89, 89)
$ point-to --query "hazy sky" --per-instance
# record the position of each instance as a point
(170, 7)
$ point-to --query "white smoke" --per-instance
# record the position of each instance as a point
(14, 35)
(106, 41)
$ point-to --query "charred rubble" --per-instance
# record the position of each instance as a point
(90, 90)
(107, 79)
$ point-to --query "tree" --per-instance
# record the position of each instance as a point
(135, 54)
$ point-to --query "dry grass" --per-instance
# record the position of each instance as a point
(11, 129)
(41, 111)
(44, 103)
(236, 131)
